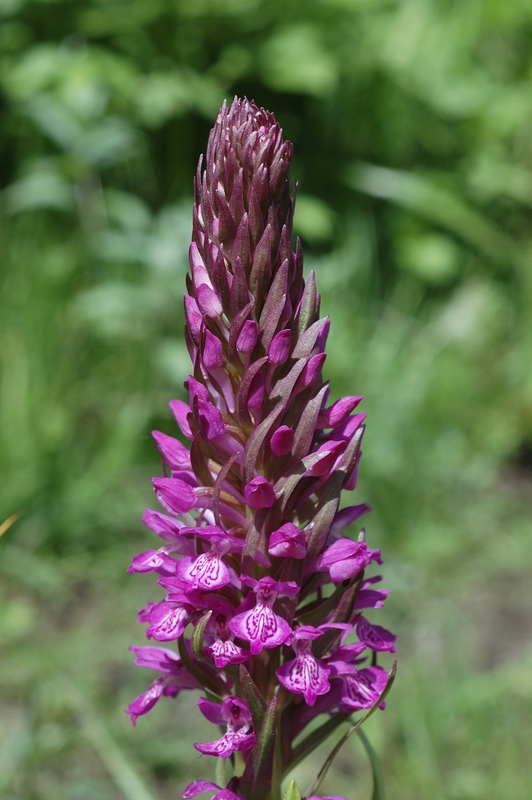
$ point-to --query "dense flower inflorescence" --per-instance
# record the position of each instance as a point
(265, 595)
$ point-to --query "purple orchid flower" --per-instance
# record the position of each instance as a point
(261, 626)
(208, 571)
(305, 674)
(233, 713)
(223, 649)
(175, 678)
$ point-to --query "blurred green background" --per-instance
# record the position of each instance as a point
(412, 128)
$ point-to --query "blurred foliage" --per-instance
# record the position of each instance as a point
(411, 121)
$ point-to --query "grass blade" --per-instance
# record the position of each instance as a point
(378, 783)
(119, 766)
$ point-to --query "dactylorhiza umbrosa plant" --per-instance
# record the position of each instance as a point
(266, 598)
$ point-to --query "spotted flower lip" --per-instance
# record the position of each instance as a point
(208, 571)
(168, 621)
(235, 715)
(261, 626)
(305, 674)
(268, 611)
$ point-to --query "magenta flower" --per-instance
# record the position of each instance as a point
(234, 714)
(175, 677)
(265, 589)
(375, 637)
(261, 626)
(288, 542)
(362, 688)
(222, 649)
(209, 571)
(305, 674)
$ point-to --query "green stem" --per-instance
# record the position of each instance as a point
(277, 774)
(239, 763)
(220, 772)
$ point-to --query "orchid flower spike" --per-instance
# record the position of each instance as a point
(264, 588)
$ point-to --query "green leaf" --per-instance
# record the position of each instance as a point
(253, 697)
(328, 505)
(292, 792)
(378, 783)
(279, 398)
(308, 305)
(257, 777)
(252, 542)
(42, 188)
(220, 478)
(197, 636)
(313, 219)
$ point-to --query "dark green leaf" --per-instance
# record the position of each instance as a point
(256, 702)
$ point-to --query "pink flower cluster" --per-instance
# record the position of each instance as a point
(266, 596)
